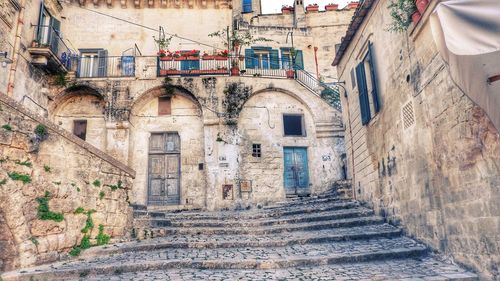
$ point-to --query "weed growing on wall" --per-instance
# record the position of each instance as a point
(34, 241)
(89, 223)
(43, 209)
(101, 195)
(97, 183)
(20, 177)
(115, 187)
(7, 127)
(2, 182)
(24, 163)
(79, 210)
(47, 169)
(101, 238)
(235, 96)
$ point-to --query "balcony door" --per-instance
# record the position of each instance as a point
(164, 169)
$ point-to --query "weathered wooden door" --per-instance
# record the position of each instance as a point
(296, 173)
(164, 169)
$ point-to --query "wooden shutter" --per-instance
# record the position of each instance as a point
(299, 59)
(40, 22)
(274, 56)
(249, 60)
(376, 103)
(102, 67)
(80, 128)
(54, 34)
(364, 102)
(164, 106)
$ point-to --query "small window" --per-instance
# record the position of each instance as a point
(164, 106)
(80, 128)
(256, 150)
(293, 125)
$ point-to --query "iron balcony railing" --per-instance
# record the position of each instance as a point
(329, 93)
(47, 37)
(95, 66)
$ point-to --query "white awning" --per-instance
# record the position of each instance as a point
(467, 33)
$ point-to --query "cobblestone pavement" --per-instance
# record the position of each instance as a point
(407, 269)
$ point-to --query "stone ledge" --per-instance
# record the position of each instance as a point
(68, 136)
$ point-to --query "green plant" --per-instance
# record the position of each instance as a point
(401, 11)
(163, 42)
(7, 127)
(76, 251)
(47, 168)
(41, 131)
(84, 273)
(34, 241)
(20, 177)
(56, 182)
(85, 243)
(89, 223)
(97, 183)
(78, 189)
(235, 96)
(101, 238)
(236, 40)
(79, 210)
(3, 160)
(101, 195)
(2, 182)
(117, 186)
(24, 163)
(61, 80)
(43, 209)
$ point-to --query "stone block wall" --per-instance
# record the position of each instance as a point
(75, 175)
(430, 159)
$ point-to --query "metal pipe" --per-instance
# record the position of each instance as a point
(15, 51)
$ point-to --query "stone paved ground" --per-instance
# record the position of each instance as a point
(314, 239)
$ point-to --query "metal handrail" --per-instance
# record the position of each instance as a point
(47, 37)
(328, 93)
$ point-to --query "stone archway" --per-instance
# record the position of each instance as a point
(149, 133)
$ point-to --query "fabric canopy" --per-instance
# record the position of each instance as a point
(467, 34)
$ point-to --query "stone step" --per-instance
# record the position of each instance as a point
(299, 201)
(254, 214)
(426, 269)
(308, 217)
(234, 258)
(243, 241)
(164, 228)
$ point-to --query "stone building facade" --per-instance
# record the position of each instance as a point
(195, 137)
(419, 150)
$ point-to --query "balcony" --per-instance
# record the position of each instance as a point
(49, 52)
(97, 65)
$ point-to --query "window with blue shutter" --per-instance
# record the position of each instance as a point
(299, 59)
(102, 70)
(374, 89)
(274, 56)
(249, 59)
(364, 102)
(247, 6)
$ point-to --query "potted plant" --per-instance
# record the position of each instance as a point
(352, 5)
(235, 68)
(332, 7)
(286, 10)
(421, 5)
(163, 43)
(401, 12)
(312, 7)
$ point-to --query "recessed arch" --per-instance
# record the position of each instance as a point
(158, 91)
(71, 92)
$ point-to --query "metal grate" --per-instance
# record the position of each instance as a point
(408, 115)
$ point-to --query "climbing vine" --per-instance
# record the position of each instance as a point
(43, 209)
(235, 96)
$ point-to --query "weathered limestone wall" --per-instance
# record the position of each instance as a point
(439, 175)
(68, 169)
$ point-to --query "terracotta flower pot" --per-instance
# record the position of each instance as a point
(290, 74)
(421, 5)
(352, 5)
(312, 8)
(332, 7)
(415, 17)
(235, 71)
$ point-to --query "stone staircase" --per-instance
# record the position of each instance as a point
(317, 238)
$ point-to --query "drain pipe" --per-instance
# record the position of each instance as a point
(15, 51)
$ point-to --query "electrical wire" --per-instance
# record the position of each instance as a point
(150, 28)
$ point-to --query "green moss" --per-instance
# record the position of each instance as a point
(20, 177)
(24, 163)
(97, 183)
(101, 195)
(79, 210)
(116, 187)
(102, 239)
(78, 189)
(41, 131)
(7, 127)
(43, 209)
(76, 251)
(2, 182)
(34, 241)
(85, 244)
(47, 168)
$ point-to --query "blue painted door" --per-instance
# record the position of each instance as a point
(296, 172)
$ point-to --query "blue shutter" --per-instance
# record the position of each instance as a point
(299, 59)
(373, 76)
(249, 60)
(364, 102)
(54, 34)
(247, 6)
(40, 21)
(274, 56)
(102, 67)
(285, 58)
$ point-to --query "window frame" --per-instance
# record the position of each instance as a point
(370, 105)
(164, 113)
(256, 150)
(80, 121)
(302, 121)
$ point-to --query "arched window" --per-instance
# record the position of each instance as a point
(247, 6)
